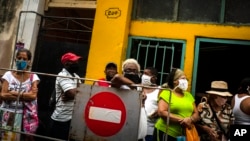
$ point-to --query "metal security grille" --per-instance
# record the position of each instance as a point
(162, 54)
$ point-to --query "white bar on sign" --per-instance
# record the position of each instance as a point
(105, 114)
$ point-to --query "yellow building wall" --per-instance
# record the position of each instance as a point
(110, 36)
(188, 32)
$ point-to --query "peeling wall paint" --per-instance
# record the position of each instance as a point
(9, 12)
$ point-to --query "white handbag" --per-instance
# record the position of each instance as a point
(142, 130)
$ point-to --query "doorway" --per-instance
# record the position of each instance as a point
(61, 31)
(219, 59)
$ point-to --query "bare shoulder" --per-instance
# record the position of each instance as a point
(245, 106)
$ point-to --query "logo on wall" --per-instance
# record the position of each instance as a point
(113, 13)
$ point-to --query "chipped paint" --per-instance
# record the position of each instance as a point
(8, 24)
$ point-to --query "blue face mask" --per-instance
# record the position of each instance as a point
(21, 64)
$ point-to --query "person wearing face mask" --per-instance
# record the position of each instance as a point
(131, 75)
(148, 79)
(181, 111)
(216, 114)
(131, 70)
(65, 87)
(18, 88)
(110, 71)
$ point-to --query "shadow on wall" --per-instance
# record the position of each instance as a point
(9, 11)
(5, 54)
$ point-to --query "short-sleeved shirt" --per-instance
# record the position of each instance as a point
(16, 85)
(64, 109)
(103, 83)
(225, 116)
(180, 106)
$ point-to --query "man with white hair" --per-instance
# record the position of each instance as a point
(131, 75)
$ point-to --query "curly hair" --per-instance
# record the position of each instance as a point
(244, 86)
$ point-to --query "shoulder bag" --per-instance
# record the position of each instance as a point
(30, 115)
(218, 122)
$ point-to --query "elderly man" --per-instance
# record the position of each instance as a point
(131, 75)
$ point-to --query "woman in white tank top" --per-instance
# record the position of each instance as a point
(149, 78)
(240, 103)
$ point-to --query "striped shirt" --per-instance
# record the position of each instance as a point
(64, 109)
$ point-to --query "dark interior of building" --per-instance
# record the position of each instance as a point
(221, 61)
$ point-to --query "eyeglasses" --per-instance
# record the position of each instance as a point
(131, 71)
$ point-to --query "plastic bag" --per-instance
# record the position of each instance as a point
(142, 124)
(192, 134)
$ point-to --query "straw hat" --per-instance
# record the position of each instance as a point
(219, 88)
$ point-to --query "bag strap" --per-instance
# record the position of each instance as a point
(217, 120)
(31, 77)
(31, 80)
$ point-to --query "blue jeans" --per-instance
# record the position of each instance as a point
(149, 138)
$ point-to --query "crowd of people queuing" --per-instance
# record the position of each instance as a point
(166, 110)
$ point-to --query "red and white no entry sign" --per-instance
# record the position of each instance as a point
(105, 114)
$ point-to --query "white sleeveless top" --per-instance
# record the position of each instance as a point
(150, 107)
(240, 116)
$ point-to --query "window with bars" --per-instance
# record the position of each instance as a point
(162, 54)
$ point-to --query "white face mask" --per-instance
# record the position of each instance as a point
(146, 80)
(183, 84)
